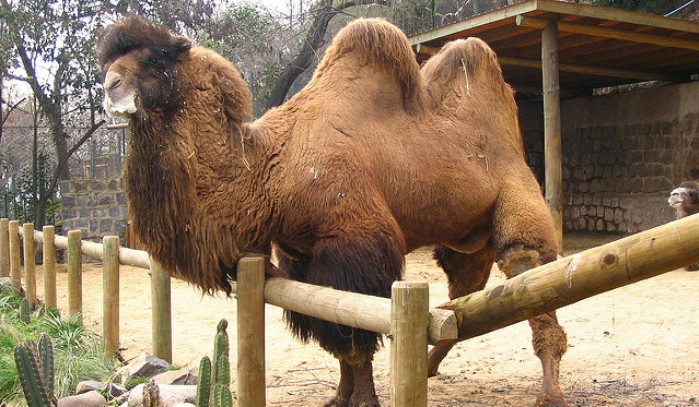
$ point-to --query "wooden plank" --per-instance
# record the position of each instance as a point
(50, 298)
(583, 275)
(4, 247)
(409, 319)
(110, 295)
(251, 332)
(553, 161)
(606, 32)
(29, 263)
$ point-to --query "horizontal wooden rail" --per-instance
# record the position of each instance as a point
(582, 275)
(128, 257)
(342, 307)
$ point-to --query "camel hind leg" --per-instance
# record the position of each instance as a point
(466, 273)
(524, 238)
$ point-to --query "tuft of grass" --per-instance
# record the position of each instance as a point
(78, 353)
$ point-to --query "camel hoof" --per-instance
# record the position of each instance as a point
(693, 267)
(545, 400)
(337, 402)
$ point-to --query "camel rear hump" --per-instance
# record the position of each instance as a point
(376, 42)
(465, 68)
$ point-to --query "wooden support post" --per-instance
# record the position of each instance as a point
(110, 293)
(162, 312)
(4, 247)
(409, 320)
(75, 274)
(15, 264)
(552, 127)
(49, 267)
(29, 263)
(251, 332)
(571, 279)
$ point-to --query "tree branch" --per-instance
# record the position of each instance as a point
(63, 162)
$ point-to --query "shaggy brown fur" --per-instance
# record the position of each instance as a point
(371, 160)
(685, 200)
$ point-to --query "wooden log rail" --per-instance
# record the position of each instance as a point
(582, 275)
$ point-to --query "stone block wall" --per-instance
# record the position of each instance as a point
(622, 155)
(95, 206)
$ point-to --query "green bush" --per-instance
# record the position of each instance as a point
(78, 353)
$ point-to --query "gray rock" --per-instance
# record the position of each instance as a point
(145, 365)
(181, 376)
(113, 390)
(170, 395)
(89, 399)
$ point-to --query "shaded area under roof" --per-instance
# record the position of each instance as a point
(598, 46)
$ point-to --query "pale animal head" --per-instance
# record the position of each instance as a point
(138, 62)
(685, 198)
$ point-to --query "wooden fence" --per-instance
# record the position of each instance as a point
(405, 318)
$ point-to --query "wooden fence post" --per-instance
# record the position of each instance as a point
(251, 332)
(409, 322)
(29, 263)
(75, 271)
(4, 247)
(162, 312)
(110, 292)
(50, 266)
(15, 264)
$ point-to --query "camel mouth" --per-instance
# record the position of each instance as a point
(674, 203)
(120, 108)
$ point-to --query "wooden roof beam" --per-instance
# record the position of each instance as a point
(573, 68)
(592, 70)
(606, 32)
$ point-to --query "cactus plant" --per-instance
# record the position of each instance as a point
(204, 384)
(221, 348)
(30, 376)
(24, 314)
(215, 377)
(44, 348)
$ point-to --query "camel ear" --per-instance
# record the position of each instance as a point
(181, 46)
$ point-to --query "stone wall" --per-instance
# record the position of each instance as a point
(95, 206)
(622, 155)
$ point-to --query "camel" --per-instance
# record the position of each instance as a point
(374, 158)
(685, 200)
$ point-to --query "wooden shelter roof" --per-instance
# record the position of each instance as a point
(598, 46)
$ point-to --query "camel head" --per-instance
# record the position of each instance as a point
(685, 198)
(138, 62)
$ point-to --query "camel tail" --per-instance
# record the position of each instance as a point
(378, 43)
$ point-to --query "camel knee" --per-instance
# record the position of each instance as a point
(518, 259)
(548, 337)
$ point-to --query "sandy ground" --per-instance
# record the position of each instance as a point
(634, 346)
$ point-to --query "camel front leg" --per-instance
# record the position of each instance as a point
(548, 338)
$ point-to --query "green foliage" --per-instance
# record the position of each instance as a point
(78, 354)
(18, 196)
(136, 381)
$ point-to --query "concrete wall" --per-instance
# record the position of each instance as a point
(97, 207)
(622, 155)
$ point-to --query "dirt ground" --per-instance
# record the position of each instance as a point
(634, 346)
